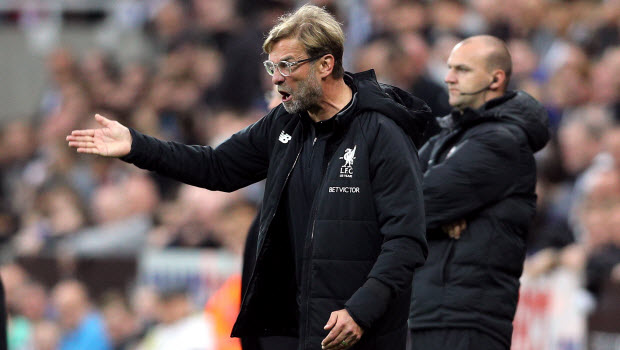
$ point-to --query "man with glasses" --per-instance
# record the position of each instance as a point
(342, 220)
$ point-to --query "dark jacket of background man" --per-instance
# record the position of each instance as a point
(366, 231)
(479, 168)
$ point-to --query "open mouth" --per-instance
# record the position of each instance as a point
(285, 96)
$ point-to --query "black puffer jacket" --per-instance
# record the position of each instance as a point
(479, 168)
(366, 233)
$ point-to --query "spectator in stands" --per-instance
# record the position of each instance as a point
(600, 211)
(407, 66)
(144, 303)
(375, 55)
(82, 327)
(45, 336)
(123, 219)
(14, 278)
(550, 228)
(34, 302)
(179, 326)
(479, 199)
(580, 137)
(121, 324)
(611, 145)
(605, 81)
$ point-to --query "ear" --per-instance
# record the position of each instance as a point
(326, 65)
(499, 80)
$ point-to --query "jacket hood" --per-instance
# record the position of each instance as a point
(409, 112)
(514, 107)
(518, 107)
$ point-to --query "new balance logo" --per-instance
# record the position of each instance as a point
(284, 137)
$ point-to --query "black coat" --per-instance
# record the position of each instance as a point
(479, 168)
(366, 232)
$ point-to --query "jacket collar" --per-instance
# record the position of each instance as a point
(345, 115)
(469, 116)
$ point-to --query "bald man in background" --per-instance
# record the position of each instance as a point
(479, 182)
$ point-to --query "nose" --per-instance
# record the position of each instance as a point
(450, 77)
(277, 78)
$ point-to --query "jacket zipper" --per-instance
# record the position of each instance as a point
(307, 263)
(280, 194)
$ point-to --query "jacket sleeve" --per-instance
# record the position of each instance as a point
(237, 162)
(480, 170)
(397, 189)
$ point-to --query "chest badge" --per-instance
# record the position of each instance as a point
(346, 170)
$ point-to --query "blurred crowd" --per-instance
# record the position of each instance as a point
(204, 81)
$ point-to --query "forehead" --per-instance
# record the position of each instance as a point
(285, 49)
(469, 54)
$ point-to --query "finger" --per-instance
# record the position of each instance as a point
(333, 318)
(82, 144)
(103, 120)
(88, 150)
(87, 132)
(80, 138)
(463, 225)
(328, 342)
(348, 342)
(340, 342)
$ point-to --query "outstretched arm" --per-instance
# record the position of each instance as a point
(112, 140)
(237, 162)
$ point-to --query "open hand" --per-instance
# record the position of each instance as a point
(344, 331)
(113, 140)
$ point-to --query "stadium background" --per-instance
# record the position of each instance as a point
(161, 261)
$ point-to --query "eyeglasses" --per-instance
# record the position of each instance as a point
(285, 67)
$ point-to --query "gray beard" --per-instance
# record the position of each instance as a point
(308, 95)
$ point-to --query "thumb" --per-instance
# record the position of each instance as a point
(103, 120)
(332, 321)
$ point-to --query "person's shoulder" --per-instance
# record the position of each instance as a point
(375, 120)
(379, 129)
(277, 118)
(277, 113)
(495, 128)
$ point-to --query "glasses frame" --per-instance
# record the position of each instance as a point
(288, 65)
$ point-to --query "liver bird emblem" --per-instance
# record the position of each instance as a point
(349, 156)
